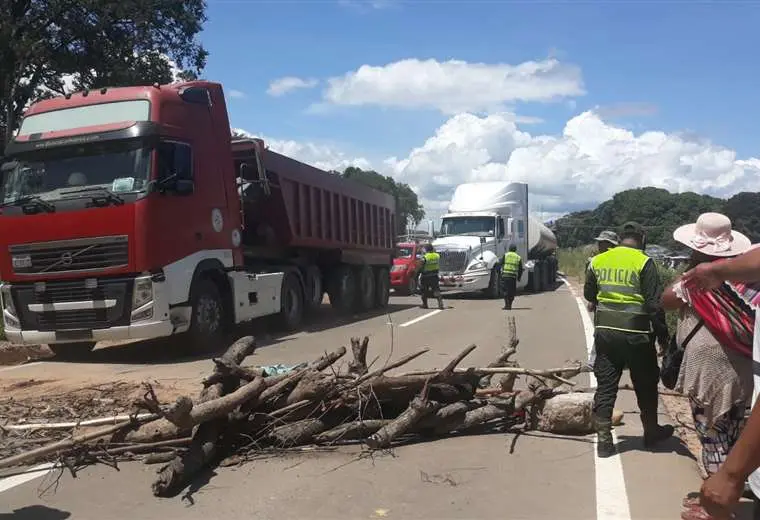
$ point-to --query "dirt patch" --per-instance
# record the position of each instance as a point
(17, 354)
(59, 405)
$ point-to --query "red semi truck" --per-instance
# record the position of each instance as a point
(130, 213)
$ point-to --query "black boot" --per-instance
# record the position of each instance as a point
(654, 433)
(604, 444)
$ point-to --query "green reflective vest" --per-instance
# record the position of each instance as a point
(620, 305)
(431, 262)
(511, 265)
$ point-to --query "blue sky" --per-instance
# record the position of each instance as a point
(686, 69)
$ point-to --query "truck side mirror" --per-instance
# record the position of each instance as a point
(184, 187)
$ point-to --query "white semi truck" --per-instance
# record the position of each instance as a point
(482, 220)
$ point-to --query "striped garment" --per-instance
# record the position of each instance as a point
(728, 315)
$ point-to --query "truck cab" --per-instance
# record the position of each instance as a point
(484, 218)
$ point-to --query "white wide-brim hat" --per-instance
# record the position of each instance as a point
(712, 235)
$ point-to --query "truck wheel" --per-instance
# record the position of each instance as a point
(72, 351)
(313, 288)
(383, 287)
(365, 285)
(536, 278)
(291, 302)
(494, 287)
(207, 319)
(342, 289)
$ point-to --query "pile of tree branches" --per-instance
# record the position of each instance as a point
(245, 409)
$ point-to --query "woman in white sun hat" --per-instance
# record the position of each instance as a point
(716, 328)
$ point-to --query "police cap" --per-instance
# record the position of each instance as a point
(632, 228)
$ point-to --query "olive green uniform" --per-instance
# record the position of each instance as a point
(511, 271)
(624, 284)
(429, 279)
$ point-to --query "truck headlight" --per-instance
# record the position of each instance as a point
(143, 292)
(10, 316)
(477, 266)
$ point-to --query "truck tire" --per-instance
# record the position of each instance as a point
(291, 302)
(383, 287)
(313, 289)
(365, 287)
(535, 279)
(494, 286)
(72, 351)
(342, 289)
(207, 317)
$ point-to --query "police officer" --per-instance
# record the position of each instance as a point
(429, 276)
(511, 271)
(604, 241)
(624, 287)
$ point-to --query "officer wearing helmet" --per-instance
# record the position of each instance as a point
(624, 288)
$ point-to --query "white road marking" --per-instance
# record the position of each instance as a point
(25, 365)
(611, 495)
(420, 318)
(22, 478)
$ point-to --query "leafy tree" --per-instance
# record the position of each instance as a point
(94, 43)
(656, 209)
(744, 211)
(408, 207)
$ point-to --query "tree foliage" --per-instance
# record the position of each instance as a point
(408, 207)
(95, 43)
(660, 212)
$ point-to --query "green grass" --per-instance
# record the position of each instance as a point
(572, 262)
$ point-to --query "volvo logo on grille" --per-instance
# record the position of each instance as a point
(66, 258)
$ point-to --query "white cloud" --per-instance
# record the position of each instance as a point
(455, 86)
(287, 84)
(588, 163)
(322, 156)
(236, 94)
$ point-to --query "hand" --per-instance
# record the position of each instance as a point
(702, 277)
(591, 306)
(720, 493)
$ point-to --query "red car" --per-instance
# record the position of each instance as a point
(406, 266)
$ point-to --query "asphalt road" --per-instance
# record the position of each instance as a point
(536, 476)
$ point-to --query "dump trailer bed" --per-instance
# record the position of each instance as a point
(296, 205)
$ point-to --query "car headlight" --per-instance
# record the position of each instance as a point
(143, 292)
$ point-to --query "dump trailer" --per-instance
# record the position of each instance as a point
(483, 219)
(130, 213)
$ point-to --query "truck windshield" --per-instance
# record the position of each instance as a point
(468, 226)
(121, 167)
(403, 252)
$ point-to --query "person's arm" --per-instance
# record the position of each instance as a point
(651, 290)
(743, 268)
(520, 269)
(670, 300)
(709, 275)
(590, 287)
(721, 492)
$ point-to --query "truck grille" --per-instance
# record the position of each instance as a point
(453, 261)
(118, 289)
(65, 256)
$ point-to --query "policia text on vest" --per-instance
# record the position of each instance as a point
(624, 286)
